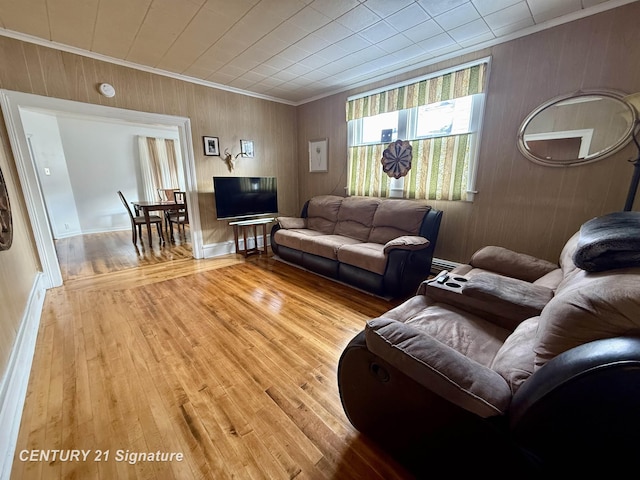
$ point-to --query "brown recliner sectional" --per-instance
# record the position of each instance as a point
(540, 361)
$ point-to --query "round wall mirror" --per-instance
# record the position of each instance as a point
(578, 128)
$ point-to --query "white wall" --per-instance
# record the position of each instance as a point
(46, 147)
(101, 158)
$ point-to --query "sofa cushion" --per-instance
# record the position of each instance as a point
(591, 307)
(325, 245)
(322, 213)
(442, 369)
(368, 256)
(292, 237)
(515, 359)
(356, 217)
(397, 217)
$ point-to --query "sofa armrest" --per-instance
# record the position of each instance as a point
(512, 264)
(438, 367)
(587, 397)
(406, 242)
(502, 300)
(292, 222)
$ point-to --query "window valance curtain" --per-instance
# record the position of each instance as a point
(460, 83)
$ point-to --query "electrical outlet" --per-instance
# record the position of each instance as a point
(47, 171)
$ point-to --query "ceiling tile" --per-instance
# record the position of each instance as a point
(437, 42)
(384, 8)
(458, 16)
(314, 61)
(423, 31)
(192, 43)
(395, 43)
(437, 7)
(353, 43)
(513, 28)
(407, 17)
(544, 10)
(127, 15)
(308, 20)
(485, 7)
(27, 16)
(412, 51)
(71, 22)
(358, 18)
(333, 52)
(470, 31)
(162, 25)
(334, 8)
(515, 14)
(333, 32)
(312, 43)
(378, 32)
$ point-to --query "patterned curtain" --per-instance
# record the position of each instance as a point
(440, 165)
(159, 164)
(460, 83)
(439, 170)
(365, 171)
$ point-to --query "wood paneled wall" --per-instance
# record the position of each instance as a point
(43, 71)
(228, 116)
(520, 205)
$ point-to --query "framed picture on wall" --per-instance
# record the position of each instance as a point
(246, 148)
(318, 158)
(211, 146)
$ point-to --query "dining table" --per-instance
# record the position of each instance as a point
(146, 206)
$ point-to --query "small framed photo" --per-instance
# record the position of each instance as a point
(211, 146)
(318, 159)
(246, 148)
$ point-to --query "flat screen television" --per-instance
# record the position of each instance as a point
(241, 197)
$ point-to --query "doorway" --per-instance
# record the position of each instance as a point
(14, 104)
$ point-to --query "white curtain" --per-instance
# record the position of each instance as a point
(159, 162)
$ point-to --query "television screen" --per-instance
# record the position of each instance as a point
(238, 197)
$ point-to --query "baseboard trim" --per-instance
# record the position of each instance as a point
(13, 389)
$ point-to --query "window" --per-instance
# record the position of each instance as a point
(440, 115)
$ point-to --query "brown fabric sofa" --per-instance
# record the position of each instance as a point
(384, 246)
(547, 355)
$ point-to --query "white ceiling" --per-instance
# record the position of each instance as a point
(288, 50)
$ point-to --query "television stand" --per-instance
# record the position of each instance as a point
(245, 225)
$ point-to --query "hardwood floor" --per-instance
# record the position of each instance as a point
(229, 362)
(95, 254)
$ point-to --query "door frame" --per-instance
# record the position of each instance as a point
(12, 102)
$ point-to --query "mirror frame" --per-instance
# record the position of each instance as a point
(610, 150)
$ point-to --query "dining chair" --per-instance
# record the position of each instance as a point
(180, 216)
(138, 220)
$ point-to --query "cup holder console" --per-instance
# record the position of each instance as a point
(448, 282)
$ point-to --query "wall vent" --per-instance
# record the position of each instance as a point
(438, 264)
